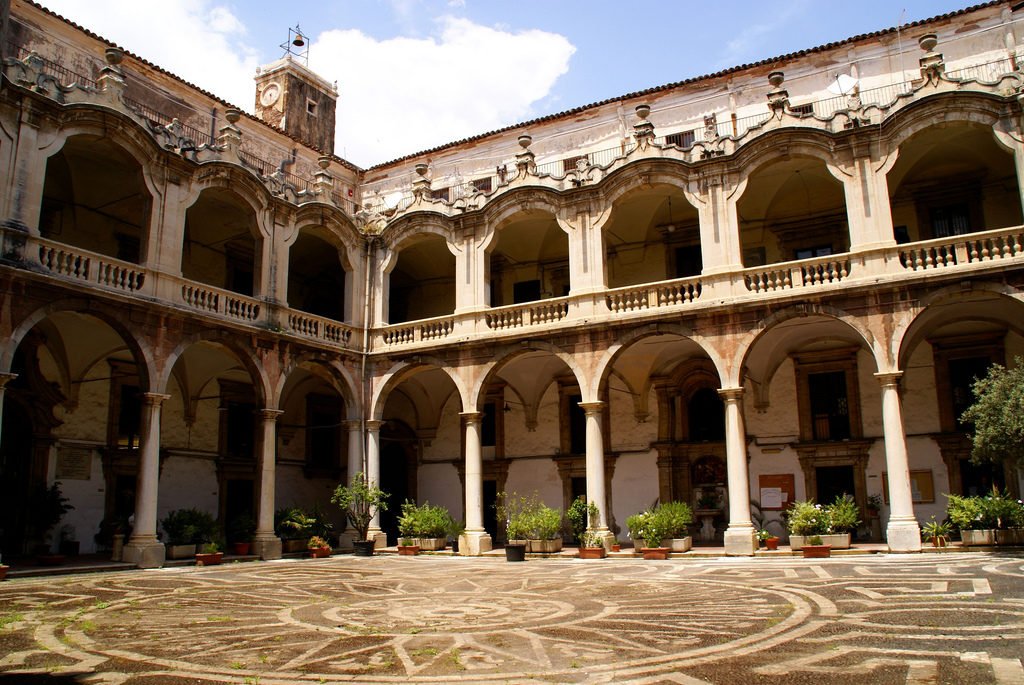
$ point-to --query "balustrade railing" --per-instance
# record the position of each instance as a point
(653, 295)
(319, 328)
(971, 248)
(527, 314)
(790, 275)
(91, 267)
(214, 300)
(432, 329)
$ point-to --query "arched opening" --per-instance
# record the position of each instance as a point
(952, 179)
(221, 247)
(652, 235)
(792, 209)
(529, 260)
(397, 473)
(422, 283)
(316, 277)
(95, 198)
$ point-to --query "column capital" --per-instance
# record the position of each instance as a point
(352, 424)
(373, 425)
(469, 417)
(6, 378)
(269, 414)
(731, 394)
(154, 398)
(889, 378)
(591, 408)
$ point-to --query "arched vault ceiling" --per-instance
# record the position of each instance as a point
(654, 356)
(635, 218)
(940, 152)
(536, 237)
(806, 334)
(84, 340)
(206, 360)
(426, 259)
(983, 312)
(530, 373)
(426, 392)
(794, 187)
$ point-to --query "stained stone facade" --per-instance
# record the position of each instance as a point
(761, 285)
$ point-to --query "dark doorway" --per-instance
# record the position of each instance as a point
(833, 482)
(394, 480)
(577, 426)
(978, 479)
(490, 513)
(15, 462)
(238, 501)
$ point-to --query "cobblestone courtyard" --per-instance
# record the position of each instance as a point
(949, 618)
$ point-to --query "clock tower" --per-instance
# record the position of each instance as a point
(292, 97)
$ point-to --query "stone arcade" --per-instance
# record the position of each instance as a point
(736, 290)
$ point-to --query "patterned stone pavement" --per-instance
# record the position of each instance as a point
(931, 618)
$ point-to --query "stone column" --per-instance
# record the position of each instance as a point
(903, 532)
(595, 468)
(355, 465)
(372, 475)
(5, 378)
(740, 537)
(475, 540)
(143, 548)
(267, 544)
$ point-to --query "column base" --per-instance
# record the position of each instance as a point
(607, 538)
(379, 537)
(346, 539)
(740, 542)
(144, 553)
(474, 543)
(267, 548)
(903, 536)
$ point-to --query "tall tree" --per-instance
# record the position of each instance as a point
(998, 415)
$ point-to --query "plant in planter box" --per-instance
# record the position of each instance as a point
(578, 516)
(843, 514)
(874, 505)
(806, 519)
(650, 529)
(676, 518)
(360, 501)
(529, 519)
(184, 528)
(937, 532)
(971, 517)
(428, 525)
(209, 554)
(815, 548)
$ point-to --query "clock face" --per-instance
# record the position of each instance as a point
(270, 94)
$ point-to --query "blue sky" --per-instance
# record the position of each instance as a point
(414, 74)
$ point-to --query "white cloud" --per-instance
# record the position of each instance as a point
(198, 40)
(403, 95)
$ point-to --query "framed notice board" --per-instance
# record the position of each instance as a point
(922, 486)
(776, 491)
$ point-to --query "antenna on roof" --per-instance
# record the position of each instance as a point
(297, 45)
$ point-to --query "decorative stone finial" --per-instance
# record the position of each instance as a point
(928, 41)
(114, 56)
(421, 169)
(643, 111)
(323, 161)
(525, 140)
(233, 115)
(776, 78)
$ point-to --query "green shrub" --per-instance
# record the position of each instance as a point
(360, 500)
(647, 527)
(424, 521)
(966, 513)
(527, 518)
(808, 518)
(189, 526)
(544, 523)
(843, 514)
(936, 530)
(676, 518)
(292, 523)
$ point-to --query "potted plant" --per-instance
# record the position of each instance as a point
(676, 518)
(360, 501)
(591, 546)
(318, 547)
(844, 517)
(294, 527)
(936, 531)
(805, 519)
(407, 547)
(68, 544)
(426, 526)
(578, 516)
(240, 532)
(513, 516)
(46, 507)
(873, 506)
(183, 528)
(3, 570)
(709, 499)
(970, 516)
(544, 529)
(765, 537)
(209, 554)
(455, 530)
(815, 548)
(650, 529)
(1004, 512)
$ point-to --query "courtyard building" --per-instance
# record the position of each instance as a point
(768, 284)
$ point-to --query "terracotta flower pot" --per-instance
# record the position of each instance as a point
(655, 552)
(241, 549)
(771, 543)
(408, 550)
(319, 552)
(817, 551)
(212, 559)
(592, 553)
